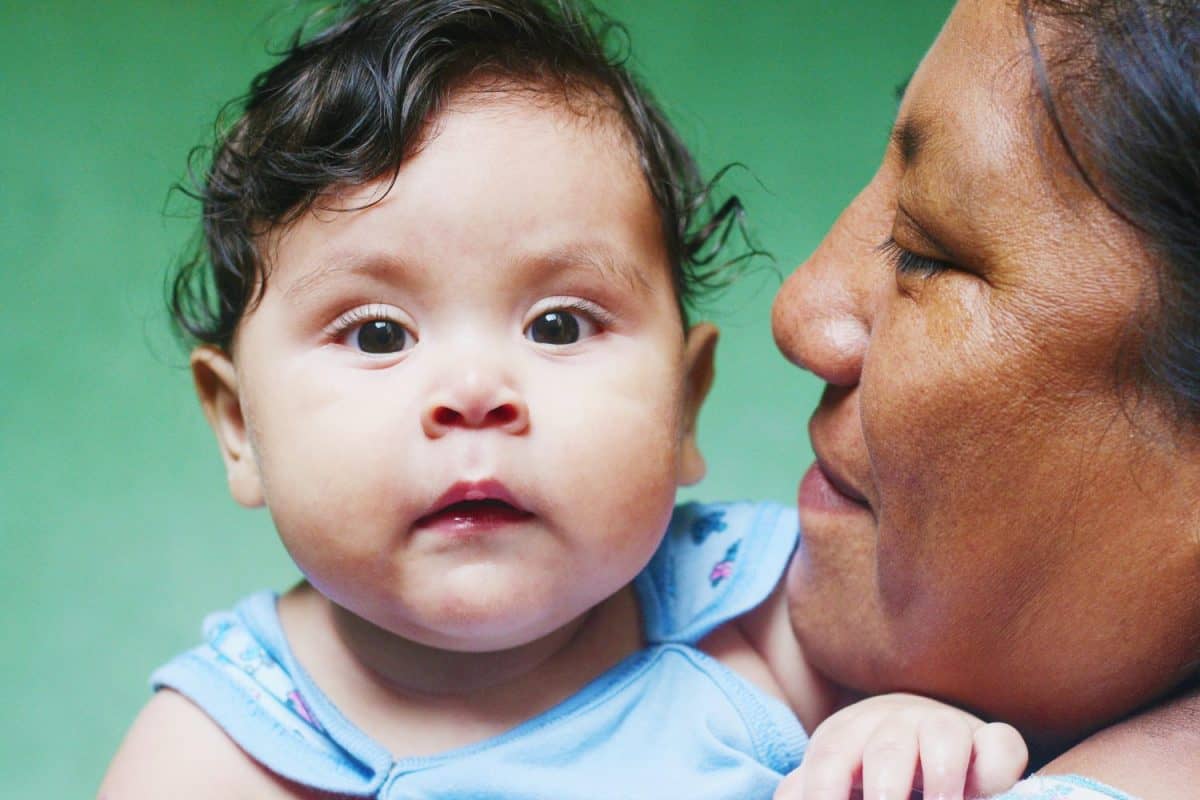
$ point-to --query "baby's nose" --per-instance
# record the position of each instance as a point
(475, 400)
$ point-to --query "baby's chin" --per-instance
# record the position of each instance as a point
(471, 612)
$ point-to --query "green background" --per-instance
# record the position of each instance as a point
(116, 529)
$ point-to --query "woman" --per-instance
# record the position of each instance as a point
(1005, 507)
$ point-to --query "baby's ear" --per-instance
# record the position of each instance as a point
(217, 386)
(699, 354)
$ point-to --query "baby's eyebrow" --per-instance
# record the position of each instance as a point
(568, 258)
(376, 266)
(611, 267)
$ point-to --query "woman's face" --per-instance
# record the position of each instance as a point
(991, 518)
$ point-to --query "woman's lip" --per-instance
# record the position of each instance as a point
(821, 491)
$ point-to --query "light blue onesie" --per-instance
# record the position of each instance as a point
(668, 721)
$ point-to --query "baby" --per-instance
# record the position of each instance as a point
(441, 336)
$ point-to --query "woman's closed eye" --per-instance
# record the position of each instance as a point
(910, 263)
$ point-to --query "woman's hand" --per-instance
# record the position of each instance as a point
(890, 745)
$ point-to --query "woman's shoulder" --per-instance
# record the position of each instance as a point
(1151, 756)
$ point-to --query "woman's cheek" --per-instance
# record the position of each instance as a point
(926, 430)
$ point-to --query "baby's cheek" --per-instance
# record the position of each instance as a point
(636, 469)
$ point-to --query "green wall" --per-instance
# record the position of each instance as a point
(116, 529)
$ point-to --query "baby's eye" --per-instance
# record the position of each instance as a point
(560, 326)
(379, 336)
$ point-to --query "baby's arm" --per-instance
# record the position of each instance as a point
(174, 750)
(877, 744)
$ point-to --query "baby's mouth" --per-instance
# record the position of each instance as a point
(474, 513)
(474, 506)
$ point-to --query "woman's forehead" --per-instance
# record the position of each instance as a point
(970, 91)
(962, 135)
(977, 145)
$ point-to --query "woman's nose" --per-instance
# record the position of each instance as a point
(821, 317)
(475, 400)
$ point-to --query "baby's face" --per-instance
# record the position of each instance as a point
(468, 405)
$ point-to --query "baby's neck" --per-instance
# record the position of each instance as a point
(418, 700)
(409, 667)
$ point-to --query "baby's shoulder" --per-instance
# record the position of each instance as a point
(716, 562)
(173, 749)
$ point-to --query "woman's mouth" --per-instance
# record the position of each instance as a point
(821, 491)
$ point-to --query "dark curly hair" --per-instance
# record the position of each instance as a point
(1120, 80)
(348, 104)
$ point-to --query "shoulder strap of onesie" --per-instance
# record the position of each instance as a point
(246, 679)
(717, 561)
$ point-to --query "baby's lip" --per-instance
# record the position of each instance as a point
(467, 494)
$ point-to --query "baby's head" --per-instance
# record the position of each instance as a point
(347, 106)
(449, 245)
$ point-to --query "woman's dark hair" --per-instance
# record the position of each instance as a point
(345, 106)
(1121, 83)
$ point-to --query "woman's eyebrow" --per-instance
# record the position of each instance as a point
(909, 136)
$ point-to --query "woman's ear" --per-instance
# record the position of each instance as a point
(216, 382)
(699, 368)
